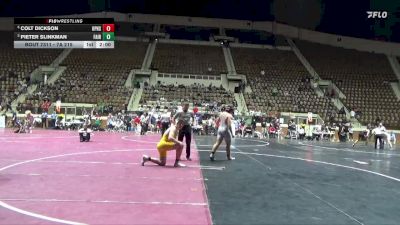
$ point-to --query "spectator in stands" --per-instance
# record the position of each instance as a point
(58, 104)
(165, 122)
(242, 128)
(237, 127)
(19, 107)
(302, 132)
(342, 111)
(317, 133)
(110, 124)
(342, 132)
(272, 131)
(358, 113)
(133, 124)
(291, 127)
(285, 93)
(53, 119)
(352, 114)
(14, 119)
(8, 106)
(97, 122)
(264, 126)
(36, 108)
(44, 120)
(253, 124)
(325, 130)
(392, 137)
(137, 121)
(29, 106)
(333, 93)
(144, 123)
(370, 128)
(350, 129)
(46, 105)
(127, 122)
(209, 125)
(153, 122)
(29, 121)
(101, 106)
(275, 91)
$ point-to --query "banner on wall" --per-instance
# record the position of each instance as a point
(2, 122)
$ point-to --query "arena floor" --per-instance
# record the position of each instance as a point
(49, 177)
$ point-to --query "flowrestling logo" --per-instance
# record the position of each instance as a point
(377, 14)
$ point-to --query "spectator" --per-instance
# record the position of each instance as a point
(275, 91)
(302, 132)
(352, 114)
(342, 111)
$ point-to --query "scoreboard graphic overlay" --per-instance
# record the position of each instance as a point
(95, 33)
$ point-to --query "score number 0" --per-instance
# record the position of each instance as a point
(108, 27)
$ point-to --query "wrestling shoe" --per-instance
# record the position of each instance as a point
(212, 156)
(178, 164)
(145, 158)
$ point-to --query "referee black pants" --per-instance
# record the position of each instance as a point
(186, 132)
(381, 143)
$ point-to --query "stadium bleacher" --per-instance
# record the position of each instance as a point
(190, 59)
(278, 80)
(197, 94)
(95, 76)
(281, 71)
(362, 77)
(16, 66)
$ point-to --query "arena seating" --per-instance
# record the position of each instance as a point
(195, 94)
(189, 59)
(362, 77)
(283, 72)
(17, 64)
(128, 29)
(94, 76)
(188, 33)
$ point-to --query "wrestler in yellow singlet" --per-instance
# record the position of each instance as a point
(168, 142)
(165, 145)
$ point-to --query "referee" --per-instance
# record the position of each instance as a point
(186, 130)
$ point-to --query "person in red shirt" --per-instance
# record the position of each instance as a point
(137, 120)
(272, 130)
(45, 110)
(46, 105)
(133, 124)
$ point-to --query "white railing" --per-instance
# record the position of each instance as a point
(189, 76)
